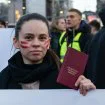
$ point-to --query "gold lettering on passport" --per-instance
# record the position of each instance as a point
(72, 71)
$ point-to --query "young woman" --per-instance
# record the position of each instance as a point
(35, 66)
(58, 28)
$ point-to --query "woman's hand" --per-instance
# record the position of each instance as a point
(84, 85)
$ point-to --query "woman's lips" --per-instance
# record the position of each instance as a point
(37, 52)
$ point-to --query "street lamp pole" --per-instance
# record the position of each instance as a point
(13, 2)
(53, 10)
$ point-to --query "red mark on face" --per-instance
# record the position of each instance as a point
(24, 44)
(46, 43)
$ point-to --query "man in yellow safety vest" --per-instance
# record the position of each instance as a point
(77, 34)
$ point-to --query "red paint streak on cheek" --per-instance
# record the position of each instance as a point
(46, 44)
(24, 44)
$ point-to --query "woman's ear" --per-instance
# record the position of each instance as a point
(16, 43)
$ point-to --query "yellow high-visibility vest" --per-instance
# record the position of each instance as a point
(63, 46)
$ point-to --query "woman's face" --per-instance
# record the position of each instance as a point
(62, 24)
(33, 41)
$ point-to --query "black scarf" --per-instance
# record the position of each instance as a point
(23, 73)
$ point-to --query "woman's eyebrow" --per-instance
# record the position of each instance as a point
(43, 34)
(29, 33)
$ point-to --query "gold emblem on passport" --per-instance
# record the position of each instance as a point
(72, 71)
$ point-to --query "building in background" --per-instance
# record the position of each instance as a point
(60, 7)
(100, 4)
(12, 10)
(38, 6)
(48, 8)
(3, 10)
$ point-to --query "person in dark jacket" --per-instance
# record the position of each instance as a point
(96, 63)
(58, 27)
(35, 66)
(95, 26)
(77, 35)
(75, 24)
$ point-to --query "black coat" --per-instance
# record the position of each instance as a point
(100, 64)
(84, 39)
(55, 36)
(95, 69)
(17, 72)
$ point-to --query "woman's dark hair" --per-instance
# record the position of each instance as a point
(55, 58)
(35, 16)
(95, 24)
(28, 17)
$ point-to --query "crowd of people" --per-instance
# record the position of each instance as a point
(42, 49)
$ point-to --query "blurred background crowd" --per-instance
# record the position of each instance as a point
(12, 10)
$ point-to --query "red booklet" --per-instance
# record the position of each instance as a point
(72, 67)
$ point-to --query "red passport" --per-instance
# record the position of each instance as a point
(72, 67)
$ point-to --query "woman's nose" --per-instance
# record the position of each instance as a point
(35, 42)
